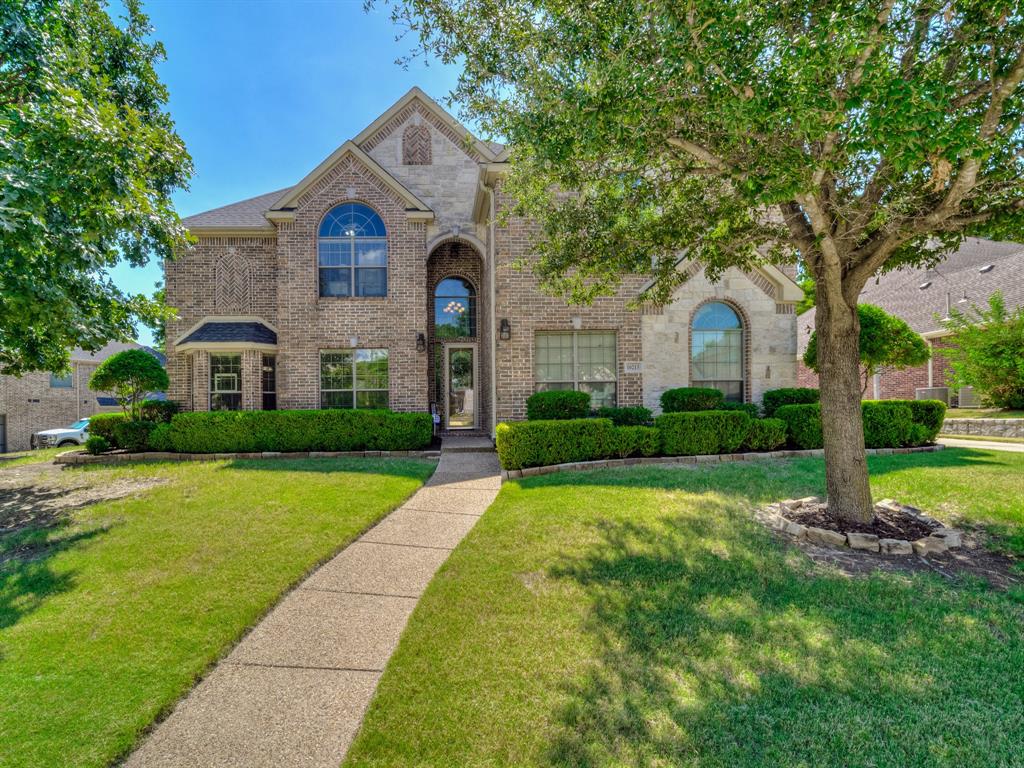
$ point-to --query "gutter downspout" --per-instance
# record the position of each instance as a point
(490, 308)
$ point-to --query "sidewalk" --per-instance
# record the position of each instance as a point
(294, 690)
(982, 445)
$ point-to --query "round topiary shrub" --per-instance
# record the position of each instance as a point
(683, 399)
(97, 445)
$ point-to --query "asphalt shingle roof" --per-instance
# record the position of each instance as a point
(246, 331)
(901, 293)
(244, 213)
(112, 348)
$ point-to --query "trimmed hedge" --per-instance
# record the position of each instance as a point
(133, 436)
(557, 441)
(774, 399)
(750, 409)
(96, 445)
(307, 430)
(765, 435)
(696, 433)
(635, 440)
(887, 423)
(684, 399)
(626, 417)
(160, 411)
(557, 404)
(160, 438)
(103, 425)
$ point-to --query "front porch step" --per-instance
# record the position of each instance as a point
(466, 444)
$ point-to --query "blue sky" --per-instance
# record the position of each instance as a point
(262, 91)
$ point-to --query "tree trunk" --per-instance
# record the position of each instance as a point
(846, 470)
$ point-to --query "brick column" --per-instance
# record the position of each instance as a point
(252, 381)
(201, 380)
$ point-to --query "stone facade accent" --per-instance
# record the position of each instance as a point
(984, 427)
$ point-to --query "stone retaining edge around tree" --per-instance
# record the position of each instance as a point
(984, 427)
(714, 458)
(76, 457)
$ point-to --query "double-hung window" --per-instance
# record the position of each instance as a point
(716, 353)
(581, 360)
(352, 252)
(354, 378)
(225, 382)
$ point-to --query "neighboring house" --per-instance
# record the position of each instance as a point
(923, 297)
(42, 400)
(384, 278)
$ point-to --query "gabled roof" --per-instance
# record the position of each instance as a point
(112, 348)
(901, 293)
(243, 214)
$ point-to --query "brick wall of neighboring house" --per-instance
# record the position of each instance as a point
(29, 404)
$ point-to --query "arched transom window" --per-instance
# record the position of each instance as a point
(716, 354)
(352, 252)
(454, 309)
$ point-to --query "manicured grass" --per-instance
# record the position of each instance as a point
(982, 413)
(107, 620)
(32, 457)
(639, 617)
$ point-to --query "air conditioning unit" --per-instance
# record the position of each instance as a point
(932, 393)
(968, 398)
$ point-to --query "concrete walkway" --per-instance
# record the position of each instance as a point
(294, 690)
(982, 445)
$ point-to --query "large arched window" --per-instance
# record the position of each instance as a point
(454, 309)
(716, 354)
(352, 252)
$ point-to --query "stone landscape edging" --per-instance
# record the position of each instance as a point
(984, 427)
(78, 457)
(580, 466)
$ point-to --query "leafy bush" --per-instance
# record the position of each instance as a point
(691, 399)
(310, 430)
(694, 433)
(774, 399)
(803, 425)
(887, 423)
(557, 404)
(635, 440)
(987, 352)
(765, 435)
(539, 443)
(132, 435)
(103, 424)
(928, 414)
(626, 417)
(97, 445)
(130, 375)
(750, 409)
(160, 411)
(160, 438)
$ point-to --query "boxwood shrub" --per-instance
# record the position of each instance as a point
(160, 438)
(750, 409)
(160, 411)
(690, 399)
(307, 430)
(626, 417)
(133, 436)
(557, 404)
(774, 399)
(765, 435)
(702, 432)
(929, 414)
(803, 425)
(635, 440)
(887, 423)
(103, 424)
(539, 443)
(96, 445)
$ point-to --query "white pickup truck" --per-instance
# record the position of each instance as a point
(76, 434)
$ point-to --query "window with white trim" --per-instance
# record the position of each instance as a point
(716, 352)
(354, 378)
(352, 252)
(580, 360)
(225, 382)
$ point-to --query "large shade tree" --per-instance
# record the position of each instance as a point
(88, 161)
(858, 135)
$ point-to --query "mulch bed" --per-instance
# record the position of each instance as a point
(886, 524)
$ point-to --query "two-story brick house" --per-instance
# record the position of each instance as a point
(385, 278)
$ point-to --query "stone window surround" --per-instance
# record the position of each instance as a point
(747, 351)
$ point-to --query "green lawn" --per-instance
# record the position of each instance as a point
(31, 457)
(639, 617)
(982, 413)
(108, 618)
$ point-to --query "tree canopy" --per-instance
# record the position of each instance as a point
(886, 341)
(987, 351)
(860, 135)
(131, 376)
(89, 160)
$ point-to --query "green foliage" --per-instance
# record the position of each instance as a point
(130, 375)
(634, 440)
(887, 423)
(96, 445)
(159, 411)
(773, 399)
(542, 442)
(765, 435)
(637, 416)
(310, 430)
(806, 283)
(988, 352)
(133, 435)
(886, 341)
(691, 399)
(695, 433)
(104, 425)
(750, 409)
(803, 425)
(160, 437)
(90, 162)
(557, 404)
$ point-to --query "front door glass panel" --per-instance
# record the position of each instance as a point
(461, 388)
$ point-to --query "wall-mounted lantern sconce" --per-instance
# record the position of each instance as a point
(421, 342)
(505, 330)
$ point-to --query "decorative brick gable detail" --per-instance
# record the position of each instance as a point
(416, 149)
(413, 108)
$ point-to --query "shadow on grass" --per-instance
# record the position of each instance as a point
(397, 467)
(715, 647)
